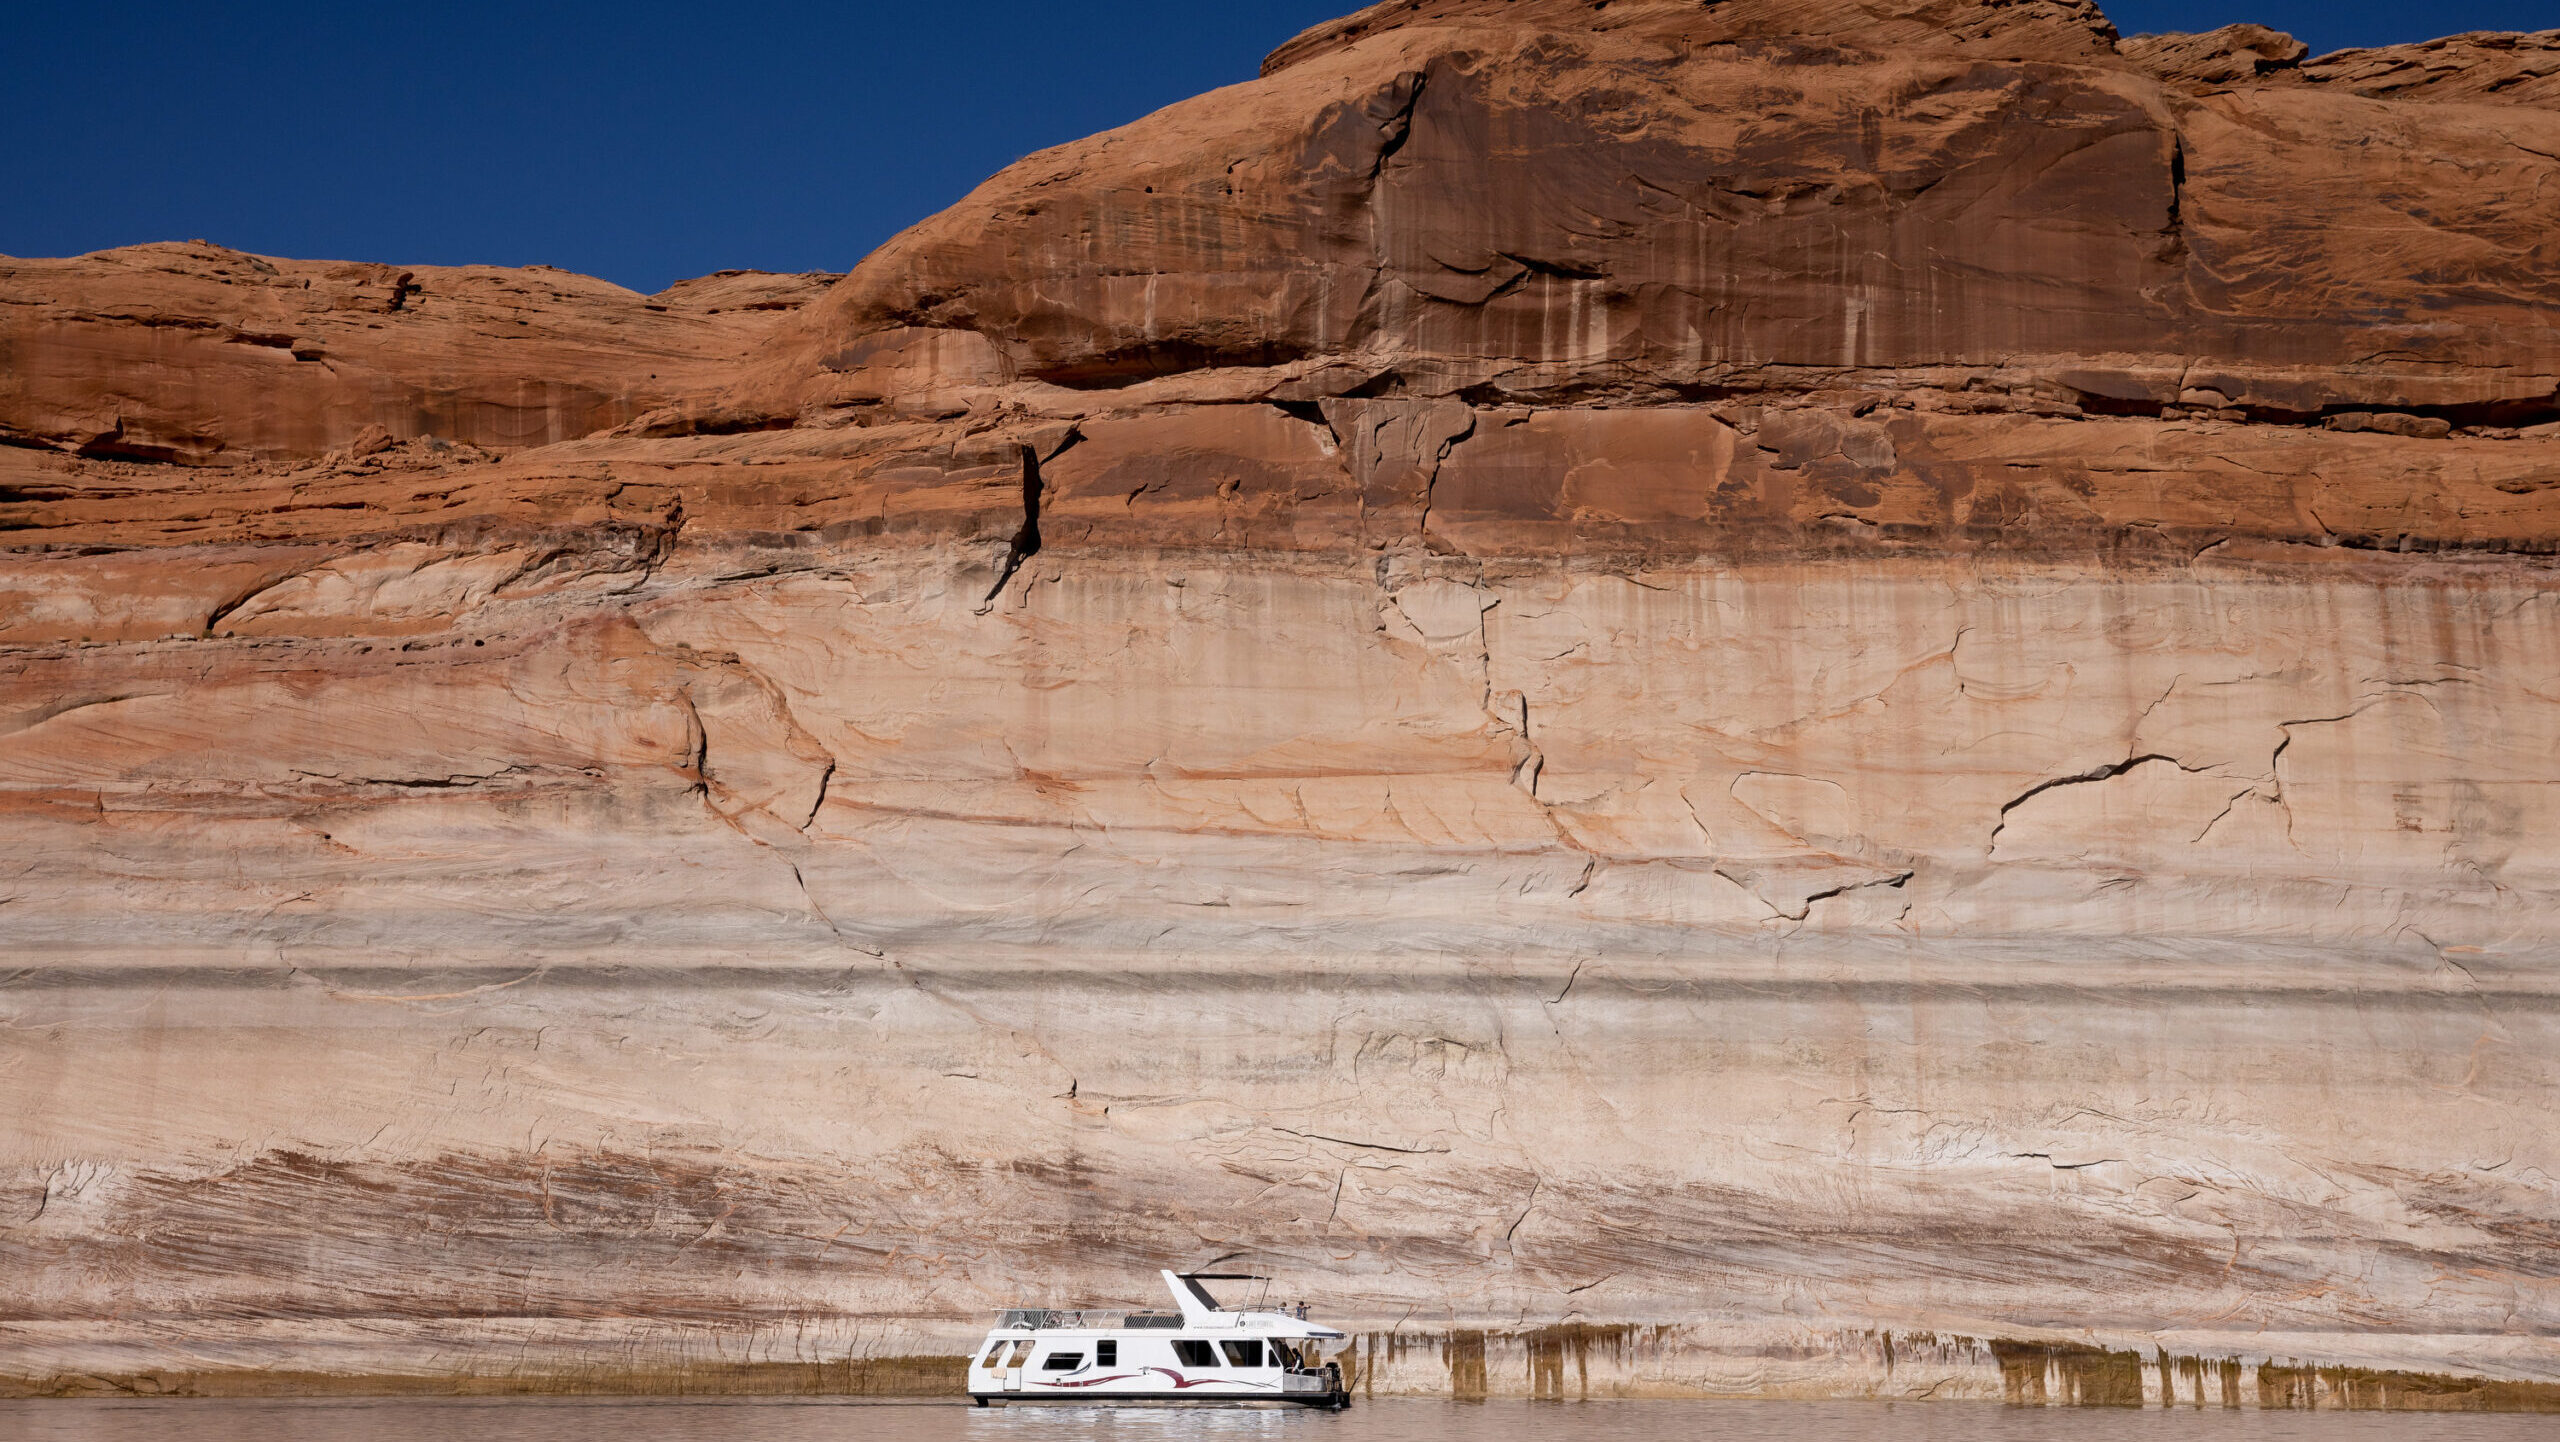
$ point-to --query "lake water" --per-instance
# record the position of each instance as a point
(772, 1420)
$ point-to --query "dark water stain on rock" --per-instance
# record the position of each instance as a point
(2064, 1374)
(1549, 1349)
(1558, 1358)
(1464, 1352)
(1372, 1352)
(2363, 1389)
(2200, 1381)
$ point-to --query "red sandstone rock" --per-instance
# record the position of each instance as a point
(1709, 199)
(2217, 59)
(201, 355)
(2479, 69)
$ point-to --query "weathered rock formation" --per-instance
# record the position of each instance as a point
(204, 356)
(1785, 696)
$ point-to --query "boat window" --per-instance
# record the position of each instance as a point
(1283, 1355)
(1192, 1352)
(1021, 1354)
(1106, 1353)
(994, 1350)
(1243, 1354)
(1062, 1361)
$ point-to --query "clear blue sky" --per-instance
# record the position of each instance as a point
(646, 141)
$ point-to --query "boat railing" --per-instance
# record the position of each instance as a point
(1033, 1319)
(1036, 1319)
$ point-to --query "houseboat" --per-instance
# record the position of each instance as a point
(1199, 1354)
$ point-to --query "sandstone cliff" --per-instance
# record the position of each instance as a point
(1793, 697)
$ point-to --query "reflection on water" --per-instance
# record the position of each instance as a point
(774, 1420)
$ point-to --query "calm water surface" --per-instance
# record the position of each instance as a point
(773, 1420)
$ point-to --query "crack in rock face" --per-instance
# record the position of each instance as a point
(1612, 676)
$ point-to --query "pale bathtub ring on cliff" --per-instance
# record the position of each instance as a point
(1201, 1354)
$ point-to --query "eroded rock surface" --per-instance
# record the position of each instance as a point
(195, 354)
(1772, 698)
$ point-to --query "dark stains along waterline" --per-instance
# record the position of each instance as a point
(1549, 1346)
(2051, 1374)
(2364, 1389)
(774, 1419)
(650, 1229)
(2035, 1374)
(631, 1199)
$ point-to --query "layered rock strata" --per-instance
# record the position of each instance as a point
(1772, 698)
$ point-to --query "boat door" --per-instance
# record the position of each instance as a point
(1013, 1366)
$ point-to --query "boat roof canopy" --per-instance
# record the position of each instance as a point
(1194, 1299)
(1196, 1309)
